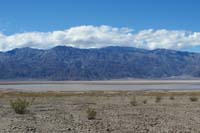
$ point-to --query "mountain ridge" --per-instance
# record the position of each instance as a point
(113, 62)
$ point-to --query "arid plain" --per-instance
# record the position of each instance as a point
(117, 111)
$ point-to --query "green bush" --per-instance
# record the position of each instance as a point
(171, 98)
(144, 101)
(133, 102)
(193, 99)
(158, 99)
(91, 113)
(19, 105)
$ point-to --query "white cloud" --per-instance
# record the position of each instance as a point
(102, 36)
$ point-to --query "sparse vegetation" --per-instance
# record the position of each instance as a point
(19, 105)
(133, 102)
(171, 98)
(91, 113)
(193, 99)
(144, 101)
(114, 113)
(158, 99)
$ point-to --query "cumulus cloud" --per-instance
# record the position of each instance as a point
(102, 36)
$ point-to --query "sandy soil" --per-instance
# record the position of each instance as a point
(65, 112)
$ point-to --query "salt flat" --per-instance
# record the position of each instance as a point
(100, 85)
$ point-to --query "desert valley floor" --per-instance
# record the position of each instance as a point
(117, 111)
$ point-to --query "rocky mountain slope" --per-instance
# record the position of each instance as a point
(68, 63)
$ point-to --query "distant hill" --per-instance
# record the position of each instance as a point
(68, 63)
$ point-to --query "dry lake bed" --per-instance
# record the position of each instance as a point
(132, 85)
(120, 107)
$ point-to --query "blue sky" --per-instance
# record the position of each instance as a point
(25, 16)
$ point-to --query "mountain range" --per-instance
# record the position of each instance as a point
(68, 63)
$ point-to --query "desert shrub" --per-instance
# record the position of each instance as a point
(19, 105)
(193, 99)
(144, 101)
(133, 101)
(171, 98)
(32, 100)
(158, 99)
(91, 113)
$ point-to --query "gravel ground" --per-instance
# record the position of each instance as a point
(115, 114)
